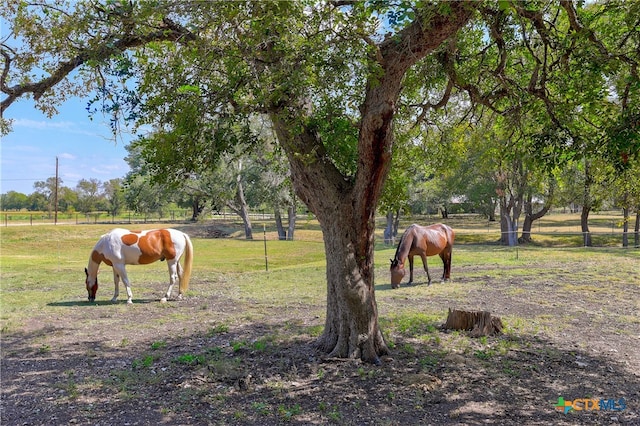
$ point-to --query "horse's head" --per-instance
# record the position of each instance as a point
(397, 273)
(92, 286)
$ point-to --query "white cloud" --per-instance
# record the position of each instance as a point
(9, 148)
(42, 124)
(107, 169)
(63, 126)
(72, 177)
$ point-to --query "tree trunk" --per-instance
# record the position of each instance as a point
(508, 224)
(388, 229)
(396, 224)
(291, 216)
(282, 234)
(525, 237)
(636, 230)
(509, 230)
(445, 212)
(346, 214)
(491, 214)
(241, 209)
(345, 206)
(584, 226)
(625, 227)
(510, 187)
(196, 208)
(480, 323)
(244, 213)
(351, 326)
(587, 204)
(626, 216)
(531, 217)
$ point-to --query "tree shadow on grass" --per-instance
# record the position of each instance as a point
(270, 373)
(425, 283)
(87, 303)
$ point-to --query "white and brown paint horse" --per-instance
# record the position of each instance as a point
(122, 247)
(422, 241)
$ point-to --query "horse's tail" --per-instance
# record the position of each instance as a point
(188, 263)
(451, 235)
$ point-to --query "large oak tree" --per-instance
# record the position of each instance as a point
(330, 76)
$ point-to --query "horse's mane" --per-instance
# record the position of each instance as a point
(406, 232)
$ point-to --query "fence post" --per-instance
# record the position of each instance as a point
(515, 241)
(266, 262)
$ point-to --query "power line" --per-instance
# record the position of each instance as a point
(38, 180)
(15, 180)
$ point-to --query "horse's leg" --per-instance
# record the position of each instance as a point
(116, 282)
(447, 268)
(426, 268)
(173, 277)
(121, 271)
(410, 270)
(445, 261)
(179, 268)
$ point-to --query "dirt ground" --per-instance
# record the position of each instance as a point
(94, 367)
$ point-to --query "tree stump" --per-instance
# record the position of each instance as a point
(480, 323)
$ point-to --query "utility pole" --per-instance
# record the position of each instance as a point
(55, 197)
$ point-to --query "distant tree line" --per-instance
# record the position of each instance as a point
(253, 177)
(88, 195)
(467, 177)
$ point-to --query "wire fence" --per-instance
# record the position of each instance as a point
(129, 217)
(606, 231)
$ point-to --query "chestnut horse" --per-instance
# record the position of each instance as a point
(122, 247)
(423, 241)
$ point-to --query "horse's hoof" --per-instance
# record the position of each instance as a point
(163, 300)
(129, 302)
(180, 296)
(114, 300)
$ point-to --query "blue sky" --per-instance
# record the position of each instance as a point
(85, 148)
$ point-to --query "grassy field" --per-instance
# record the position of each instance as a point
(52, 258)
(563, 308)
(557, 229)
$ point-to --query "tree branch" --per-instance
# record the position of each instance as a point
(576, 25)
(478, 98)
(444, 100)
(168, 31)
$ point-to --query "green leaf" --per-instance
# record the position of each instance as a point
(187, 88)
(504, 5)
